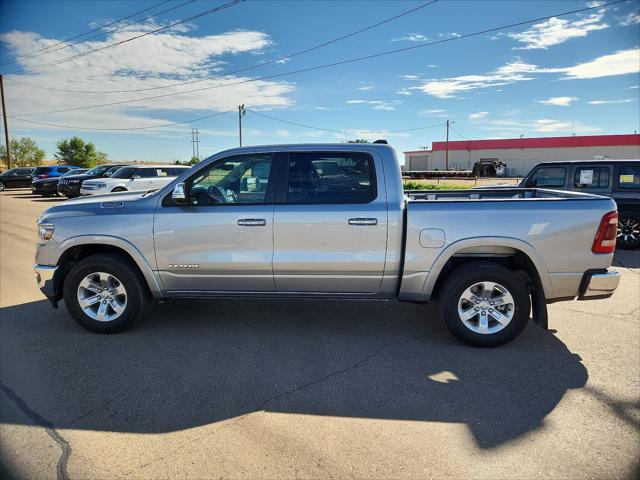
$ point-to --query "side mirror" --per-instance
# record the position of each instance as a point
(178, 195)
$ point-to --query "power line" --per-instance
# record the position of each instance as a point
(457, 132)
(171, 124)
(333, 64)
(36, 53)
(201, 14)
(348, 132)
(252, 67)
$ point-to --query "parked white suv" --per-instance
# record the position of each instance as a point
(133, 178)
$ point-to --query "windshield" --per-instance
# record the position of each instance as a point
(8, 172)
(41, 170)
(124, 172)
(112, 170)
(99, 170)
(75, 171)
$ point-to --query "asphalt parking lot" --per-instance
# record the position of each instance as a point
(310, 389)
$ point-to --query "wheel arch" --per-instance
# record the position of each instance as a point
(515, 253)
(78, 248)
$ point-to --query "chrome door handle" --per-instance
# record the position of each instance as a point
(252, 222)
(363, 221)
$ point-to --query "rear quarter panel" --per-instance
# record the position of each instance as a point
(556, 234)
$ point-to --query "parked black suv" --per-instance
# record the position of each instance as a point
(618, 179)
(19, 177)
(69, 186)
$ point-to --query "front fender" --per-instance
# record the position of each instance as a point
(127, 247)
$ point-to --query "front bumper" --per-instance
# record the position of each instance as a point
(69, 189)
(48, 189)
(599, 284)
(44, 277)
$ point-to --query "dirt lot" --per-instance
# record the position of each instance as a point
(310, 389)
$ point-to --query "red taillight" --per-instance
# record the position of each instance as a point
(605, 241)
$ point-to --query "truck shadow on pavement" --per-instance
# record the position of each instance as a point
(195, 362)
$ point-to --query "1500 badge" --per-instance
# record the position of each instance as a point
(180, 265)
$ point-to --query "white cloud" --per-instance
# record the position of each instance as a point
(559, 101)
(478, 115)
(411, 37)
(543, 125)
(607, 102)
(152, 61)
(449, 87)
(558, 30)
(634, 87)
(403, 91)
(618, 63)
(364, 86)
(629, 19)
(377, 104)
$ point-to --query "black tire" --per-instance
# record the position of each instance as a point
(126, 272)
(119, 189)
(628, 231)
(469, 275)
(2, 187)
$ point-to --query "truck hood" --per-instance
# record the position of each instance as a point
(106, 204)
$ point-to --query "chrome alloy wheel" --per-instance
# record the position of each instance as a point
(486, 307)
(102, 296)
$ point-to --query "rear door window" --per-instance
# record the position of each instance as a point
(591, 177)
(146, 173)
(628, 177)
(332, 177)
(549, 177)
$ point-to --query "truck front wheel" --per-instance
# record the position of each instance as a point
(105, 293)
(485, 304)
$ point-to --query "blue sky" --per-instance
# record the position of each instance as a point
(578, 73)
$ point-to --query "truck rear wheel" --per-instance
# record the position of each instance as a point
(105, 293)
(628, 231)
(485, 304)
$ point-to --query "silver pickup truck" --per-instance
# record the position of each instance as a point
(331, 221)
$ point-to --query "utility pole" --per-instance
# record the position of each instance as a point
(195, 143)
(446, 152)
(241, 113)
(6, 125)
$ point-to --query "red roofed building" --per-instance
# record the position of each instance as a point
(522, 154)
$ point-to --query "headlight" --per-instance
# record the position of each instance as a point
(45, 230)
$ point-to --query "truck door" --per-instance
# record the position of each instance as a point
(330, 223)
(222, 240)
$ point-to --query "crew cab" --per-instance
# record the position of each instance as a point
(618, 179)
(133, 179)
(327, 221)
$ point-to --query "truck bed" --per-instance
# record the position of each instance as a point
(501, 193)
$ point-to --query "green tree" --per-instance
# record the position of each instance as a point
(74, 151)
(24, 153)
(193, 161)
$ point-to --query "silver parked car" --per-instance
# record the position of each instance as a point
(327, 220)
